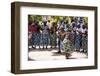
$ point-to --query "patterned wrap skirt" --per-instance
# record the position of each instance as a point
(84, 43)
(78, 42)
(44, 39)
(66, 45)
(36, 37)
(53, 39)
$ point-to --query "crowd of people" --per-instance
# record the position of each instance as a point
(69, 33)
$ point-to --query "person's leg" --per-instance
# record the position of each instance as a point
(77, 44)
(47, 41)
(55, 42)
(82, 44)
(85, 45)
(39, 40)
(43, 41)
(81, 49)
(51, 40)
(33, 40)
(71, 46)
(36, 39)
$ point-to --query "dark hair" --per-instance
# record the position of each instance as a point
(83, 26)
(44, 23)
(48, 20)
(73, 25)
(72, 20)
(66, 22)
(53, 23)
(78, 26)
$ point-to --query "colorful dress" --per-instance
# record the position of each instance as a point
(66, 44)
(36, 35)
(53, 37)
(84, 39)
(77, 41)
(84, 43)
(31, 30)
(71, 37)
(44, 35)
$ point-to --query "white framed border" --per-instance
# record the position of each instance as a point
(25, 64)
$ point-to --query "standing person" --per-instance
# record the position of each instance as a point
(37, 35)
(84, 39)
(53, 35)
(71, 37)
(45, 35)
(62, 35)
(73, 25)
(32, 28)
(58, 36)
(49, 27)
(30, 34)
(63, 22)
(77, 40)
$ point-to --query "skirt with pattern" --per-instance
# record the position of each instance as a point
(66, 45)
(84, 43)
(78, 42)
(53, 39)
(44, 39)
(36, 38)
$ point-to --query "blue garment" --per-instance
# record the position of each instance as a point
(36, 38)
(77, 41)
(44, 39)
(33, 37)
(84, 43)
(45, 35)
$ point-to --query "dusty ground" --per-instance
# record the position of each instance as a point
(51, 54)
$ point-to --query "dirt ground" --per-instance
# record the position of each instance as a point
(51, 54)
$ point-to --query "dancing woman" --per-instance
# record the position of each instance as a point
(65, 43)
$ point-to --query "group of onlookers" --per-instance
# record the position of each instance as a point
(70, 36)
